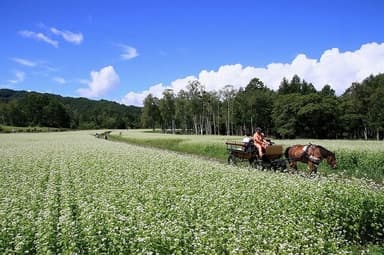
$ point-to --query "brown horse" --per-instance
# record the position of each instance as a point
(311, 154)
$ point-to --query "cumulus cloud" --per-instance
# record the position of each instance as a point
(338, 69)
(101, 82)
(133, 98)
(128, 52)
(71, 37)
(39, 37)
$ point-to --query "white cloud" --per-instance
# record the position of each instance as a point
(128, 52)
(25, 62)
(133, 98)
(59, 80)
(338, 69)
(39, 37)
(69, 36)
(101, 82)
(19, 77)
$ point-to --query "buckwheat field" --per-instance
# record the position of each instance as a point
(70, 193)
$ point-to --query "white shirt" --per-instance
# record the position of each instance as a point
(246, 139)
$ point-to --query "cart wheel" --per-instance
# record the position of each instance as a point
(231, 160)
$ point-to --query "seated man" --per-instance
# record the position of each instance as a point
(260, 142)
(248, 142)
(247, 138)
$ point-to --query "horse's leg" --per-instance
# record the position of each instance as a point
(316, 169)
(310, 167)
(293, 164)
(313, 168)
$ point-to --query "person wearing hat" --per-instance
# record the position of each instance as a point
(260, 142)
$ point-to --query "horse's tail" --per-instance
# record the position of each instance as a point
(286, 153)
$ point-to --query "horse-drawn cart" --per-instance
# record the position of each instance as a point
(104, 135)
(272, 158)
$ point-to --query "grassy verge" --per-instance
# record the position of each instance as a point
(361, 164)
(355, 158)
(178, 144)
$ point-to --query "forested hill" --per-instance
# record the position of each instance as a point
(22, 108)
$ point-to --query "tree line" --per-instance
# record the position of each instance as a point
(31, 109)
(295, 110)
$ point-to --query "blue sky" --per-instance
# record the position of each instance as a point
(123, 50)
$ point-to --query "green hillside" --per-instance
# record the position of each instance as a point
(22, 108)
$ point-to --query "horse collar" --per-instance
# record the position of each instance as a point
(311, 158)
(306, 147)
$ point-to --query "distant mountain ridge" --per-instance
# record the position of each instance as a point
(24, 108)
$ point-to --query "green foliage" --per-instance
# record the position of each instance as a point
(296, 86)
(361, 164)
(362, 107)
(284, 115)
(150, 114)
(254, 106)
(167, 109)
(21, 108)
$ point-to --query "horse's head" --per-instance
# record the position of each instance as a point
(331, 159)
(328, 155)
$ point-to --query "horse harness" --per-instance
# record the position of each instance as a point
(306, 155)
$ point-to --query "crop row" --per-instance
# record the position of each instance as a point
(70, 193)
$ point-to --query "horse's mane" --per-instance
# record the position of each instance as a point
(324, 149)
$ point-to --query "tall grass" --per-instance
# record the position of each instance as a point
(211, 148)
(361, 159)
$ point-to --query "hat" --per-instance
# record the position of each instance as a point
(258, 129)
